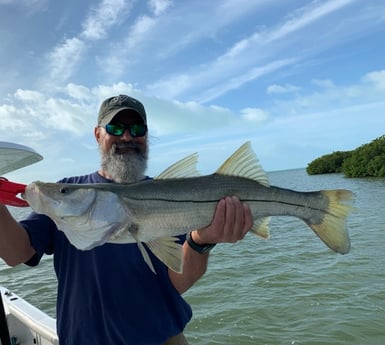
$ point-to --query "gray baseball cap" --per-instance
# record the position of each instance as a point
(114, 105)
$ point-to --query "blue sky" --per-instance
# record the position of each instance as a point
(299, 79)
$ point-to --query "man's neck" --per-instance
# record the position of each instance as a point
(105, 174)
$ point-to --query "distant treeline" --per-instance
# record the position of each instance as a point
(366, 161)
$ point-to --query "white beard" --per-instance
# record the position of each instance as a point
(127, 167)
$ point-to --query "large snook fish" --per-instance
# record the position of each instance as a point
(155, 211)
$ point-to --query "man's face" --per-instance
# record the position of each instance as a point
(123, 158)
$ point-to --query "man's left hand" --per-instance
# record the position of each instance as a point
(231, 222)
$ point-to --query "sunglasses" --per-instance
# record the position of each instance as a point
(117, 129)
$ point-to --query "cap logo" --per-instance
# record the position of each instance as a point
(121, 99)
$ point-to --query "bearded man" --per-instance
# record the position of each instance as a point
(108, 295)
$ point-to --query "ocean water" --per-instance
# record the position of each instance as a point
(290, 289)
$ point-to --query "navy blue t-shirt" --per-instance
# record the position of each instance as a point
(107, 295)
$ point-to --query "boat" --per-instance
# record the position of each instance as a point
(22, 324)
(15, 156)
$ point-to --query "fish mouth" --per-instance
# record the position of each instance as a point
(31, 193)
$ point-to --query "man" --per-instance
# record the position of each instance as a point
(108, 295)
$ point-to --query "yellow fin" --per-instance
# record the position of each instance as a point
(332, 231)
(185, 167)
(168, 251)
(244, 163)
(261, 227)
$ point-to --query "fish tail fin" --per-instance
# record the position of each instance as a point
(261, 227)
(332, 230)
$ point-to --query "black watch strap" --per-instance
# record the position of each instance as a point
(199, 248)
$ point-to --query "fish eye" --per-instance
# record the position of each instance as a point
(63, 190)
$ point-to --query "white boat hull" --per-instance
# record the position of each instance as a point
(15, 156)
(27, 324)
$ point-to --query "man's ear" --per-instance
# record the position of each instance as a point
(97, 133)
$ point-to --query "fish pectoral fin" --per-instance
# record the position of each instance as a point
(144, 253)
(168, 251)
(261, 227)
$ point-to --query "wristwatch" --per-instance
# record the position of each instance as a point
(199, 248)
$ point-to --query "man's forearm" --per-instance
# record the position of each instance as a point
(194, 267)
(15, 246)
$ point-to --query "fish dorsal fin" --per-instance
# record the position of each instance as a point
(244, 163)
(186, 167)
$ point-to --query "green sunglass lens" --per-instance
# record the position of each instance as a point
(137, 130)
(115, 129)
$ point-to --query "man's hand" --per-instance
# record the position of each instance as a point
(232, 220)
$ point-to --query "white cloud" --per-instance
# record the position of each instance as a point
(28, 96)
(64, 115)
(123, 52)
(112, 65)
(254, 115)
(158, 7)
(139, 30)
(175, 117)
(106, 15)
(307, 15)
(101, 92)
(78, 92)
(377, 78)
(64, 59)
(287, 88)
(11, 118)
(37, 112)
